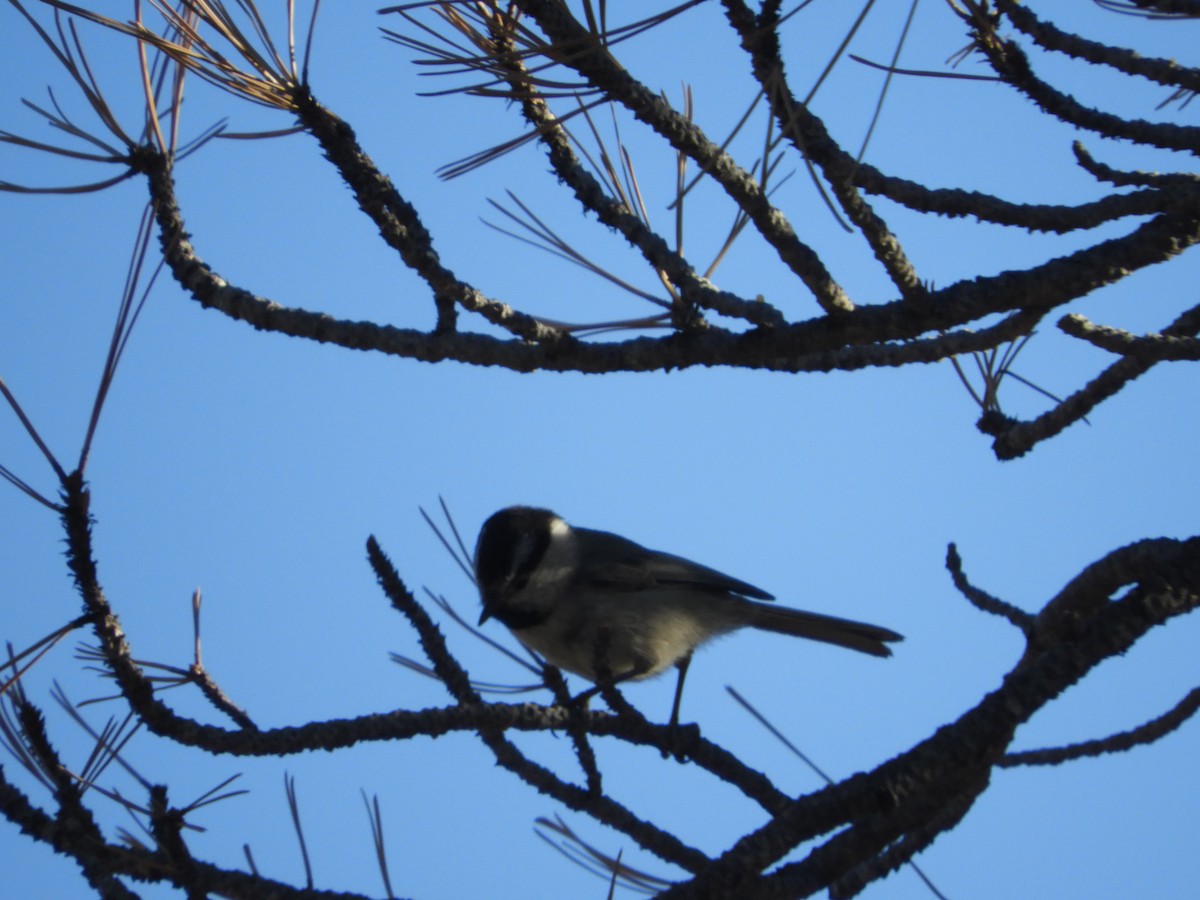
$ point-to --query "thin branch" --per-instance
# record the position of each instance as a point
(603, 72)
(1144, 734)
(1149, 347)
(1166, 72)
(1015, 438)
(1010, 62)
(984, 601)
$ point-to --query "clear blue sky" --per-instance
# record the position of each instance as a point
(255, 466)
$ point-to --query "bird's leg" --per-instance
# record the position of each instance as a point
(682, 666)
(675, 732)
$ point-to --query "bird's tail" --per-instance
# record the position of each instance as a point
(830, 629)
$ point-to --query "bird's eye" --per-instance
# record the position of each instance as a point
(508, 553)
(527, 553)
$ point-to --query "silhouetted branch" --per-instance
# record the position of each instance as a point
(1166, 72)
(983, 600)
(1076, 631)
(1009, 61)
(1147, 733)
(603, 72)
(1014, 438)
(796, 122)
(1150, 347)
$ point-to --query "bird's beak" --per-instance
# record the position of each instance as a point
(487, 614)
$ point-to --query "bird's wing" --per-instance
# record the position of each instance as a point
(625, 565)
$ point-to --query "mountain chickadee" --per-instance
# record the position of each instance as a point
(568, 592)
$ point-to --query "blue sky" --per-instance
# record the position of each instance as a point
(255, 466)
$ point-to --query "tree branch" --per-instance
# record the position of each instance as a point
(1015, 438)
(1149, 347)
(1146, 733)
(1012, 65)
(603, 72)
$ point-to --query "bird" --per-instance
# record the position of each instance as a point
(600, 605)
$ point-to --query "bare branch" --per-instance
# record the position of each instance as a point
(983, 600)
(1014, 439)
(1120, 742)
(1150, 347)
